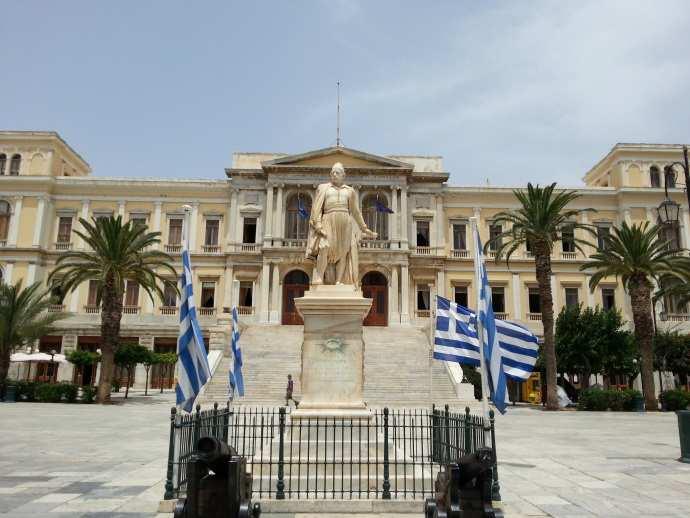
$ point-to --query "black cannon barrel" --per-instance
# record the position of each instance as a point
(214, 453)
(474, 464)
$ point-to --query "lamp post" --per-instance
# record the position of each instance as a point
(686, 172)
(669, 210)
(53, 352)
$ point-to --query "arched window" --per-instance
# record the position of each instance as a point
(654, 176)
(374, 214)
(298, 209)
(3, 163)
(4, 221)
(14, 165)
(670, 179)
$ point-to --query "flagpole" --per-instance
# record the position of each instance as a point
(185, 246)
(432, 328)
(480, 328)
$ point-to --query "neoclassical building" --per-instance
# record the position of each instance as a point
(248, 235)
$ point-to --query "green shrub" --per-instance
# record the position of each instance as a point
(49, 393)
(69, 392)
(88, 394)
(115, 384)
(673, 400)
(26, 391)
(598, 400)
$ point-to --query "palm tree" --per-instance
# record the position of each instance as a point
(538, 224)
(637, 255)
(23, 319)
(116, 253)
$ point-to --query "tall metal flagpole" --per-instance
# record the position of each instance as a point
(432, 329)
(480, 328)
(185, 246)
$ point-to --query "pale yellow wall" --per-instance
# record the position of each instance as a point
(27, 222)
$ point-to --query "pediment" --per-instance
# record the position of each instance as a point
(325, 158)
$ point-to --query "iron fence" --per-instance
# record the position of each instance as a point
(395, 454)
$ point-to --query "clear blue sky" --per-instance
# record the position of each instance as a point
(512, 91)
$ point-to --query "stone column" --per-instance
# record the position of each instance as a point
(238, 217)
(227, 287)
(66, 370)
(193, 224)
(74, 299)
(156, 223)
(268, 212)
(274, 316)
(7, 272)
(85, 205)
(140, 370)
(517, 297)
(627, 217)
(263, 300)
(40, 216)
(278, 216)
(232, 220)
(393, 308)
(393, 218)
(13, 231)
(440, 224)
(404, 232)
(121, 209)
(477, 213)
(440, 284)
(31, 274)
(404, 294)
(685, 230)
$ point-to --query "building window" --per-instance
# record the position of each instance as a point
(57, 293)
(654, 176)
(102, 215)
(249, 231)
(494, 231)
(670, 233)
(298, 209)
(670, 177)
(169, 295)
(608, 298)
(461, 295)
(3, 163)
(212, 227)
(208, 294)
(4, 219)
(423, 232)
(459, 236)
(137, 219)
(572, 296)
(498, 299)
(534, 300)
(603, 231)
(423, 297)
(568, 239)
(246, 294)
(131, 294)
(175, 231)
(92, 298)
(375, 215)
(15, 163)
(64, 229)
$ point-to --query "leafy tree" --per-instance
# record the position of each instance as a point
(81, 359)
(23, 319)
(637, 255)
(128, 356)
(672, 353)
(165, 359)
(538, 223)
(117, 252)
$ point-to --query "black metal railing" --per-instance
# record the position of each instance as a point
(394, 454)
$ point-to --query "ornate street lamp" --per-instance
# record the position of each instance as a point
(53, 352)
(669, 209)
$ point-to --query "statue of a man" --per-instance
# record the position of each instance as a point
(335, 227)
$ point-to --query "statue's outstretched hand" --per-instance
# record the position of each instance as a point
(370, 233)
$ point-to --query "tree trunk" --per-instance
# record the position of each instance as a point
(146, 385)
(542, 259)
(4, 365)
(111, 315)
(584, 380)
(640, 297)
(129, 381)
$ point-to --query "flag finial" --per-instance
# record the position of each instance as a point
(337, 119)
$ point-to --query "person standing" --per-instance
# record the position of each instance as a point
(289, 390)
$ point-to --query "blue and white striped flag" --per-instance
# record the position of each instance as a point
(235, 377)
(193, 369)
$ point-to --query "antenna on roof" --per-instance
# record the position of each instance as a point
(337, 125)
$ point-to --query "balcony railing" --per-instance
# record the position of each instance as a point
(168, 310)
(210, 249)
(501, 316)
(251, 248)
(294, 243)
(534, 316)
(460, 254)
(173, 249)
(130, 310)
(3, 243)
(674, 317)
(492, 254)
(422, 313)
(207, 312)
(376, 244)
(92, 309)
(56, 308)
(529, 255)
(245, 310)
(63, 245)
(422, 250)
(569, 256)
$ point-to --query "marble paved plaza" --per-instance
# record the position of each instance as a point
(92, 461)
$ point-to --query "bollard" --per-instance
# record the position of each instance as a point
(684, 434)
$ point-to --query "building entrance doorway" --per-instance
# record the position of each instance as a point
(294, 285)
(375, 287)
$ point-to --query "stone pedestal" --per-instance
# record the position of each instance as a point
(332, 352)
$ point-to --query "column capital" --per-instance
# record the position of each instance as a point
(158, 204)
(18, 197)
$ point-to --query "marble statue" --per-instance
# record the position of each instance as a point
(335, 228)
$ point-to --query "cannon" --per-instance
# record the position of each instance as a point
(218, 485)
(463, 488)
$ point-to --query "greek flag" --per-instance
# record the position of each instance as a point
(456, 340)
(302, 210)
(235, 378)
(193, 369)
